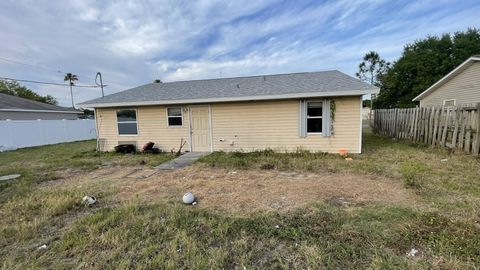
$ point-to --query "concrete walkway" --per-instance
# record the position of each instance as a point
(181, 161)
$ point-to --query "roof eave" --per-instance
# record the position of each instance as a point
(447, 77)
(39, 111)
(88, 104)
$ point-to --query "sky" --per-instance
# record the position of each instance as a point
(135, 42)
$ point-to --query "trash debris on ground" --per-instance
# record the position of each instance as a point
(89, 200)
(444, 160)
(9, 177)
(188, 198)
(348, 159)
(232, 172)
(277, 226)
(194, 203)
(125, 148)
(412, 252)
(342, 152)
(182, 144)
(42, 247)
(148, 148)
(477, 225)
(337, 200)
(289, 174)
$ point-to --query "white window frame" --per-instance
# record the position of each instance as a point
(168, 117)
(127, 122)
(314, 117)
(454, 101)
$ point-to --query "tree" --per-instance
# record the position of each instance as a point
(372, 68)
(15, 89)
(157, 81)
(71, 78)
(87, 114)
(421, 64)
(367, 103)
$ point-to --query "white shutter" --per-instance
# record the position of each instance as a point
(326, 123)
(302, 119)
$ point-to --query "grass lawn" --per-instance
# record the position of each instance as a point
(152, 230)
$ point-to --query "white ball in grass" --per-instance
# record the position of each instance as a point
(188, 198)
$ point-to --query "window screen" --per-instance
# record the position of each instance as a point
(127, 122)
(174, 116)
(449, 102)
(314, 117)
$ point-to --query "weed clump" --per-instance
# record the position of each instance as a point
(412, 174)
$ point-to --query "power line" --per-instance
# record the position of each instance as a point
(30, 65)
(48, 68)
(49, 83)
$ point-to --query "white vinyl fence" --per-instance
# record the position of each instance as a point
(26, 133)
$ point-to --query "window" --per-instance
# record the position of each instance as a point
(314, 117)
(174, 116)
(449, 102)
(127, 122)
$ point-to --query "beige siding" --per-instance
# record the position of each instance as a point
(465, 88)
(252, 126)
(245, 126)
(151, 124)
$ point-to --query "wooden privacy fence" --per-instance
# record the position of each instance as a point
(452, 127)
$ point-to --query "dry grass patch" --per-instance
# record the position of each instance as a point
(248, 191)
(261, 210)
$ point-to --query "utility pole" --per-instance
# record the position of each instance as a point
(101, 82)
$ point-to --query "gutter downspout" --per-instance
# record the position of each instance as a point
(96, 130)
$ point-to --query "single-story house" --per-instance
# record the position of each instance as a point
(315, 111)
(17, 108)
(460, 87)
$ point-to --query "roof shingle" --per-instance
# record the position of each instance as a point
(9, 102)
(239, 87)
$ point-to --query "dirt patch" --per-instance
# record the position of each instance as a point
(243, 191)
(247, 191)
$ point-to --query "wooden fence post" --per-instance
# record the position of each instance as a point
(476, 142)
(445, 126)
(461, 136)
(456, 119)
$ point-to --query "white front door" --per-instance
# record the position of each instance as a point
(200, 128)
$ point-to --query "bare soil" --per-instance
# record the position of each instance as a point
(243, 192)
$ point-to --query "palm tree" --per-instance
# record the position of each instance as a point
(71, 78)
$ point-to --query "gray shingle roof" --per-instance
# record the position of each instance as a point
(9, 102)
(240, 88)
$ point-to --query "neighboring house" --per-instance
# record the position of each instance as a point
(460, 87)
(17, 108)
(317, 111)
